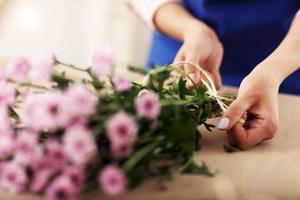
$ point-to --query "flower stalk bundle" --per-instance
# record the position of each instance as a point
(66, 136)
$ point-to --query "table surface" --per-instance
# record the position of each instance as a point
(268, 171)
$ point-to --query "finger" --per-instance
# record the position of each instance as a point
(193, 80)
(179, 57)
(247, 138)
(213, 65)
(217, 79)
(193, 76)
(234, 113)
(192, 72)
(231, 139)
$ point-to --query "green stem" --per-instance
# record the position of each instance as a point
(174, 103)
(95, 81)
(57, 62)
(29, 85)
(139, 155)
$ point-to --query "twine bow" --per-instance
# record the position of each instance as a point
(207, 82)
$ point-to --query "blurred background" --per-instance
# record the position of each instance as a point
(71, 29)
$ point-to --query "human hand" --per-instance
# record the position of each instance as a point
(257, 105)
(201, 46)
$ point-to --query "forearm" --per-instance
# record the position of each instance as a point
(174, 20)
(286, 58)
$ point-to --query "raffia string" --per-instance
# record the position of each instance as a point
(207, 82)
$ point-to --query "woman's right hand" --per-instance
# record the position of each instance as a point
(201, 46)
(257, 105)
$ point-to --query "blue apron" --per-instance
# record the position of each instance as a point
(249, 30)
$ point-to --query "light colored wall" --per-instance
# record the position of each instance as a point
(72, 28)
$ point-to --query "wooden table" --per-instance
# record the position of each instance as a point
(268, 171)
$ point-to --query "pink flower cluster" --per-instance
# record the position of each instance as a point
(102, 61)
(7, 94)
(67, 159)
(147, 105)
(51, 145)
(121, 84)
(63, 160)
(121, 130)
(112, 180)
(42, 71)
(20, 70)
(53, 110)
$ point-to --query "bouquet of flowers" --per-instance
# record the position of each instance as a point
(61, 136)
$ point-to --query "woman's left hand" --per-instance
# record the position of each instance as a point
(201, 46)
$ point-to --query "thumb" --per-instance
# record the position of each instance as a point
(234, 113)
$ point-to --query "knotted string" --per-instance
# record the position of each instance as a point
(207, 82)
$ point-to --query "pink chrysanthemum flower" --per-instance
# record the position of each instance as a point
(27, 149)
(56, 154)
(102, 61)
(79, 145)
(43, 169)
(45, 111)
(55, 110)
(82, 101)
(112, 180)
(40, 179)
(76, 176)
(42, 71)
(18, 69)
(61, 188)
(13, 177)
(7, 145)
(7, 93)
(6, 122)
(121, 149)
(147, 105)
(121, 84)
(29, 111)
(121, 127)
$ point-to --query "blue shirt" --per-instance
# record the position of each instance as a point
(249, 30)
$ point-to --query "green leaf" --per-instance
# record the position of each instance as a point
(197, 138)
(230, 149)
(13, 113)
(193, 168)
(200, 93)
(209, 126)
(180, 131)
(140, 86)
(61, 80)
(183, 91)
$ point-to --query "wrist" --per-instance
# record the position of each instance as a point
(280, 64)
(195, 28)
(266, 75)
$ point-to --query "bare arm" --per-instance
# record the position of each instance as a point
(175, 21)
(286, 58)
(257, 101)
(200, 43)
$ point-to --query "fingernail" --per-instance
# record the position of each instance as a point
(224, 123)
